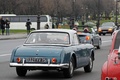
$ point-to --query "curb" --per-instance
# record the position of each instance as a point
(13, 38)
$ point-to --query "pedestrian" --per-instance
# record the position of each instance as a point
(53, 26)
(7, 22)
(2, 25)
(71, 23)
(46, 26)
(86, 30)
(57, 23)
(28, 23)
(75, 28)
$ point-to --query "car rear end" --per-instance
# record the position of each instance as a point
(84, 38)
(38, 58)
(111, 68)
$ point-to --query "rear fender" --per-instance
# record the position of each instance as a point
(104, 71)
(13, 54)
(92, 54)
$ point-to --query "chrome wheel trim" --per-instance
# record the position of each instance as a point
(91, 63)
(71, 68)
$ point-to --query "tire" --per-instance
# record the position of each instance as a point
(99, 45)
(92, 42)
(111, 33)
(68, 73)
(104, 34)
(21, 71)
(89, 67)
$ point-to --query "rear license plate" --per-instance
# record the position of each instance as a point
(36, 59)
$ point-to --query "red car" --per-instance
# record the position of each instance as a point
(111, 68)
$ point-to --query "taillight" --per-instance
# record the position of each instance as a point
(54, 60)
(87, 37)
(18, 59)
(112, 78)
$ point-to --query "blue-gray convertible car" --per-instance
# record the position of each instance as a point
(92, 38)
(52, 49)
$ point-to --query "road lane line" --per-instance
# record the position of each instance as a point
(106, 41)
(4, 55)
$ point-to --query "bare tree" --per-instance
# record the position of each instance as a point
(60, 8)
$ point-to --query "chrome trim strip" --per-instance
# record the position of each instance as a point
(66, 65)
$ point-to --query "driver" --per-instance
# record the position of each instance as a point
(86, 30)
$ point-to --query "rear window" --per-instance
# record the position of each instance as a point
(48, 38)
(81, 38)
(117, 41)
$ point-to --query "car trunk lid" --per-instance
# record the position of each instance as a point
(34, 51)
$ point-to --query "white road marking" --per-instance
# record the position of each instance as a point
(4, 55)
(106, 41)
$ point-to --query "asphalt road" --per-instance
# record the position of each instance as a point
(8, 73)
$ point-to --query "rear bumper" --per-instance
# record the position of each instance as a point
(102, 32)
(39, 65)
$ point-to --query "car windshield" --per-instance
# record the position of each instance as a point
(107, 24)
(48, 38)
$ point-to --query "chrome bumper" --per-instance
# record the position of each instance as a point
(39, 65)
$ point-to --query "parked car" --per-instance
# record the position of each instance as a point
(92, 38)
(107, 28)
(52, 49)
(111, 68)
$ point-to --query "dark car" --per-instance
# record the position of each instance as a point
(52, 49)
(111, 67)
(91, 37)
(107, 28)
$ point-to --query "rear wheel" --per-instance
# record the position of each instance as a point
(99, 45)
(99, 34)
(111, 33)
(89, 67)
(21, 71)
(68, 73)
(104, 34)
(92, 42)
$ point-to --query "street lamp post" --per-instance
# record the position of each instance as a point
(98, 20)
(38, 17)
(86, 10)
(116, 18)
(73, 7)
